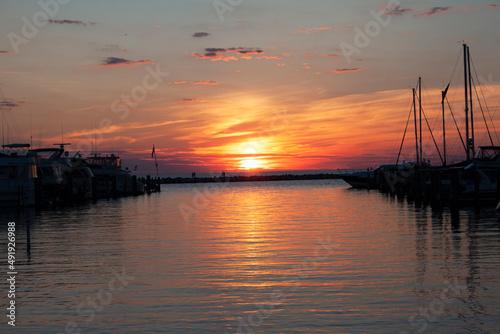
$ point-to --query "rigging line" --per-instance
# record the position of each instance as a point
(456, 64)
(482, 112)
(404, 135)
(427, 99)
(456, 125)
(433, 139)
(485, 103)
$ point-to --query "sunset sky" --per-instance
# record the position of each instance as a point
(240, 85)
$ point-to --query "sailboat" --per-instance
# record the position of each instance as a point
(18, 176)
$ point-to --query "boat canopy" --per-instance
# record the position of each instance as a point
(487, 153)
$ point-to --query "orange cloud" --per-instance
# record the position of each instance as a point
(344, 70)
(216, 54)
(308, 31)
(206, 82)
(195, 101)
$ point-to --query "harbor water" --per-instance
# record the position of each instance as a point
(254, 257)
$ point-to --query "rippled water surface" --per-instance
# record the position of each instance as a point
(263, 257)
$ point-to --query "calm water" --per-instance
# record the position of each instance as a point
(271, 257)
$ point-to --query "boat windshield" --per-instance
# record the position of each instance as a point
(488, 153)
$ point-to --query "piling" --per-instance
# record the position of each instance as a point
(454, 190)
(69, 189)
(94, 189)
(134, 184)
(435, 189)
(113, 186)
(477, 193)
(125, 187)
(107, 187)
(38, 192)
(28, 238)
(498, 184)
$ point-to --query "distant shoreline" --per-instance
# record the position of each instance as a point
(249, 178)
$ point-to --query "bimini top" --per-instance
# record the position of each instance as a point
(487, 153)
(16, 146)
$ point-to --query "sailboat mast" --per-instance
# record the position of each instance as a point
(416, 129)
(470, 101)
(466, 79)
(420, 115)
(443, 93)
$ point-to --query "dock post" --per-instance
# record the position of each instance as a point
(418, 187)
(94, 189)
(28, 239)
(477, 191)
(435, 189)
(113, 186)
(498, 184)
(125, 190)
(38, 192)
(134, 185)
(69, 189)
(454, 190)
(368, 178)
(108, 191)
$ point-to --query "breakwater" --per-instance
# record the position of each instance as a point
(240, 178)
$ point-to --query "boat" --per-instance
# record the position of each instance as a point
(18, 175)
(110, 177)
(481, 175)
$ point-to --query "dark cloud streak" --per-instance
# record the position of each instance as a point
(114, 61)
(200, 34)
(78, 22)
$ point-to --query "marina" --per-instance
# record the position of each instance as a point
(230, 166)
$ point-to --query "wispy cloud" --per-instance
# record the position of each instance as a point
(122, 128)
(206, 83)
(434, 11)
(78, 22)
(332, 55)
(344, 70)
(313, 30)
(270, 57)
(10, 104)
(200, 34)
(396, 10)
(199, 82)
(216, 54)
(195, 101)
(114, 61)
(5, 52)
(493, 6)
(112, 47)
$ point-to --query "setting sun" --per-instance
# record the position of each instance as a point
(251, 163)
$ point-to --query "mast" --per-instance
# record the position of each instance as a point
(466, 79)
(416, 129)
(420, 115)
(443, 95)
(471, 145)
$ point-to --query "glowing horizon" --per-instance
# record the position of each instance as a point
(236, 90)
